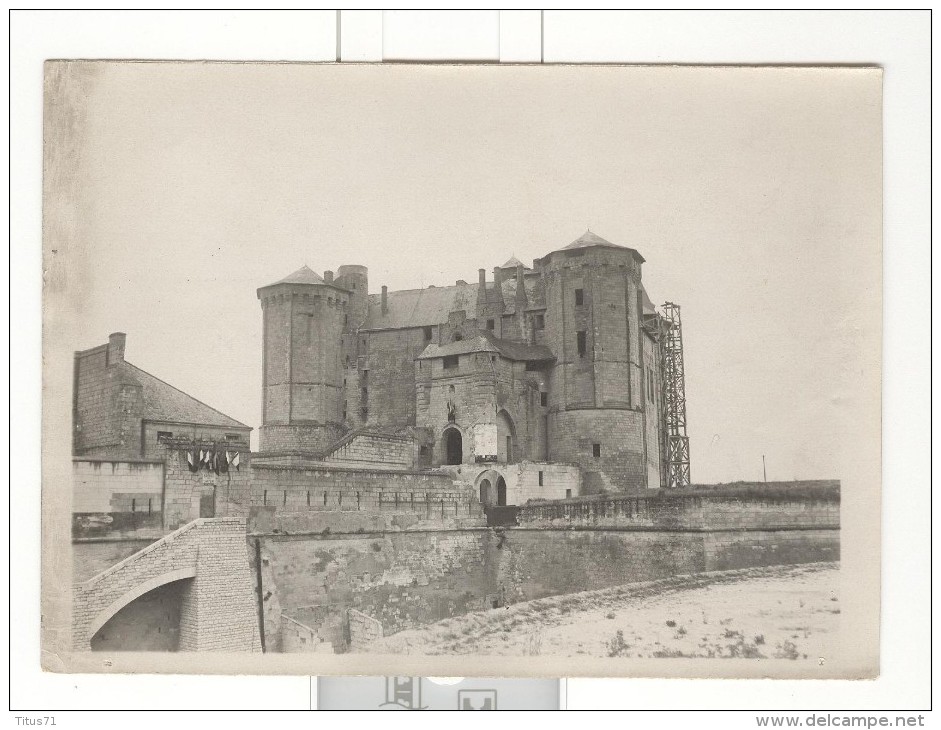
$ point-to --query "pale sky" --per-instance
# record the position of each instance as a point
(753, 194)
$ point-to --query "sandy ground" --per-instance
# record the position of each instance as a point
(785, 612)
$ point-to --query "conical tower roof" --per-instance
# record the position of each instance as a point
(304, 275)
(591, 239)
(513, 263)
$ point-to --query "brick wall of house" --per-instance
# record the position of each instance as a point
(107, 407)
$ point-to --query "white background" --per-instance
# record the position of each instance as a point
(899, 41)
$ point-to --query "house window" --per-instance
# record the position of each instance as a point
(539, 321)
(540, 479)
(579, 297)
(450, 362)
(582, 342)
(596, 450)
(427, 333)
(231, 437)
(491, 324)
(543, 399)
(163, 436)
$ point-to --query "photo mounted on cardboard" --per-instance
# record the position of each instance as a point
(288, 430)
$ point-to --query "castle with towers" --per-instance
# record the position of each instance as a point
(557, 363)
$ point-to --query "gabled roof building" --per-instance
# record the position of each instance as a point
(120, 411)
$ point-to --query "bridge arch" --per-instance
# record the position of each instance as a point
(102, 617)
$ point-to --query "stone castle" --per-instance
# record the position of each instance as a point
(558, 363)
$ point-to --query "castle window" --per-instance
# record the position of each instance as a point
(543, 399)
(539, 321)
(596, 450)
(427, 333)
(308, 498)
(540, 479)
(133, 505)
(458, 337)
(264, 497)
(579, 297)
(450, 362)
(284, 498)
(582, 336)
(491, 324)
(568, 493)
(150, 506)
(163, 436)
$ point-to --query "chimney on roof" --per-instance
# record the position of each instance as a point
(328, 276)
(385, 299)
(116, 341)
(498, 284)
(522, 300)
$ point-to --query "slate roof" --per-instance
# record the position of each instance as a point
(163, 402)
(513, 263)
(591, 239)
(304, 275)
(486, 342)
(421, 307)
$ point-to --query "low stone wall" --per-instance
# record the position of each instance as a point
(313, 498)
(298, 638)
(727, 507)
(374, 450)
(363, 630)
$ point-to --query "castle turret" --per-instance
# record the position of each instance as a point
(592, 320)
(355, 279)
(302, 381)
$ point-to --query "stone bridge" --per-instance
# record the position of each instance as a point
(207, 560)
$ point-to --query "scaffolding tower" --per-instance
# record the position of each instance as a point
(675, 444)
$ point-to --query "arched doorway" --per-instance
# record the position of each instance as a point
(486, 495)
(501, 492)
(506, 438)
(453, 446)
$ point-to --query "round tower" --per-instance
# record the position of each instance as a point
(355, 279)
(302, 375)
(592, 324)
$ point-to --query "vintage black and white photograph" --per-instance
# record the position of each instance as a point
(462, 366)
